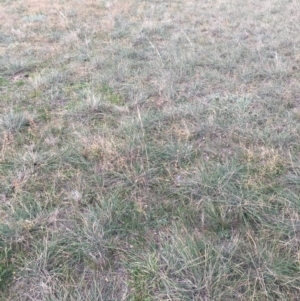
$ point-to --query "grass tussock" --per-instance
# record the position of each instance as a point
(149, 150)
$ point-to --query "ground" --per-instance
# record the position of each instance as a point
(149, 150)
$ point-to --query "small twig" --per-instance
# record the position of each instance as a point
(155, 48)
(65, 18)
(187, 38)
(143, 132)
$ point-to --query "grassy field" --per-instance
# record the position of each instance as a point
(149, 150)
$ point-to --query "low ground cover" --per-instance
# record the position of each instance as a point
(149, 150)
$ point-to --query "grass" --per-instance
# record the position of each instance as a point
(149, 150)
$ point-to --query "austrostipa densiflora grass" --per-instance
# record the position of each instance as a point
(149, 150)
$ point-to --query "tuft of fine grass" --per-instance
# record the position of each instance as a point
(13, 122)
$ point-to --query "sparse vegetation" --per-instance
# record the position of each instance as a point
(149, 150)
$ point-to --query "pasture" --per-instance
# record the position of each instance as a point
(149, 150)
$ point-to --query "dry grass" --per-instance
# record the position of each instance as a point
(149, 150)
